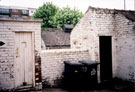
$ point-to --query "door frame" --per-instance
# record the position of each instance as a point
(111, 54)
(33, 56)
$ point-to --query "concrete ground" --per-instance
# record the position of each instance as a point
(61, 90)
(109, 86)
(114, 85)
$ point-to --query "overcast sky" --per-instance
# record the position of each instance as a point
(82, 5)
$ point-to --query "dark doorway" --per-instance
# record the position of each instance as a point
(105, 43)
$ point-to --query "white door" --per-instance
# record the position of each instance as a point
(24, 58)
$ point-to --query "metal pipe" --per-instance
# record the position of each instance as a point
(134, 4)
(124, 4)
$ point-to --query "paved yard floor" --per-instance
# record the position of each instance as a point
(61, 90)
(115, 85)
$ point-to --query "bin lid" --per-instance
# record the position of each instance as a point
(73, 63)
(89, 62)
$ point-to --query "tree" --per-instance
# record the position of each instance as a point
(67, 16)
(46, 12)
(54, 17)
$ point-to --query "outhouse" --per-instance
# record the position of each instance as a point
(109, 35)
(20, 41)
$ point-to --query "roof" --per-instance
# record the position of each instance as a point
(16, 7)
(68, 27)
(130, 15)
(20, 19)
(55, 37)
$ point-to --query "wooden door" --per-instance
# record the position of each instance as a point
(105, 57)
(24, 59)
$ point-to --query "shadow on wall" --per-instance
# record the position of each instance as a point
(57, 83)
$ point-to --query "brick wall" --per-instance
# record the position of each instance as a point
(53, 63)
(19, 13)
(8, 27)
(104, 22)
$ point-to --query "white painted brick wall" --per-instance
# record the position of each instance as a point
(53, 62)
(97, 23)
(8, 27)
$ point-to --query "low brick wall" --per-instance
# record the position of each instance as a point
(53, 63)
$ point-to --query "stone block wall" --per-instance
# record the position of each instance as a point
(53, 63)
(98, 22)
(8, 27)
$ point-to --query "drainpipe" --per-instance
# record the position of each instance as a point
(124, 4)
(134, 4)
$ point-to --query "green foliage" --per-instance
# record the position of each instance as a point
(46, 12)
(67, 16)
(54, 17)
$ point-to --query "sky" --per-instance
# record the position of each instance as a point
(82, 5)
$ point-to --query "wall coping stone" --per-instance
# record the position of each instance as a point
(62, 50)
(21, 20)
